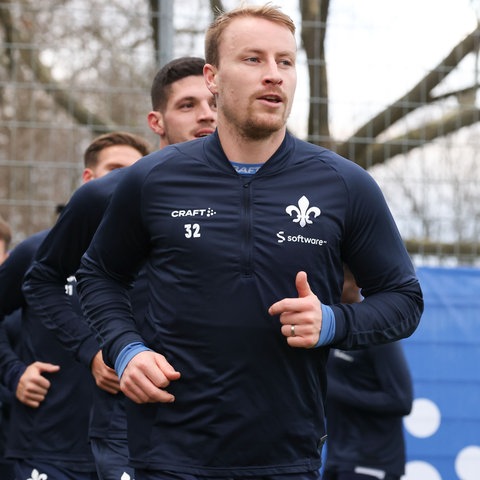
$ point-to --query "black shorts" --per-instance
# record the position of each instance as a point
(41, 469)
(111, 459)
(154, 475)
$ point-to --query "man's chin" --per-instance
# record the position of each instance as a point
(261, 130)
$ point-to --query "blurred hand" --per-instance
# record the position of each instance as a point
(33, 386)
(146, 376)
(105, 377)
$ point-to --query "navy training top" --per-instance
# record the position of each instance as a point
(57, 431)
(220, 249)
(369, 392)
(57, 258)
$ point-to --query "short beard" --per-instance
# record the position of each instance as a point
(254, 131)
(253, 128)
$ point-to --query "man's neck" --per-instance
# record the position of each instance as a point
(239, 149)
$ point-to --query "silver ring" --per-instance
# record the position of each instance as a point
(292, 330)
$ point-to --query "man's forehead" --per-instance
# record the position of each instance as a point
(244, 33)
(189, 88)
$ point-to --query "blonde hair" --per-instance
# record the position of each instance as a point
(218, 26)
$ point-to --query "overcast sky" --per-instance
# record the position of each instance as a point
(377, 50)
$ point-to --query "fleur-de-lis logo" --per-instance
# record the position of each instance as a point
(303, 211)
(125, 476)
(36, 475)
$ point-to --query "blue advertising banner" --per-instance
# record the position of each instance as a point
(443, 430)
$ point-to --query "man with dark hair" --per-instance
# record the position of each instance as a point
(52, 389)
(185, 111)
(182, 108)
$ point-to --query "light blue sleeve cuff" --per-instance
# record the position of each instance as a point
(127, 354)
(327, 333)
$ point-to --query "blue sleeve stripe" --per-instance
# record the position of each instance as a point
(127, 354)
(327, 333)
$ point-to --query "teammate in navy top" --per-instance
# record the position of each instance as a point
(182, 109)
(9, 334)
(369, 392)
(50, 415)
(227, 369)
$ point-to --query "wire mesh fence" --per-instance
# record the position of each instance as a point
(71, 69)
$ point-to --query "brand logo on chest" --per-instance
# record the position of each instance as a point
(303, 214)
(303, 211)
(194, 212)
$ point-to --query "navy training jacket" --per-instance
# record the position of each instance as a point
(57, 431)
(57, 258)
(220, 249)
(369, 392)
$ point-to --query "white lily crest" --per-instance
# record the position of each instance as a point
(36, 475)
(303, 211)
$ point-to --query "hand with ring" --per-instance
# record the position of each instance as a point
(301, 317)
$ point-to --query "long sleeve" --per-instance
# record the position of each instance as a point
(12, 301)
(11, 366)
(374, 251)
(12, 271)
(57, 259)
(107, 305)
(375, 380)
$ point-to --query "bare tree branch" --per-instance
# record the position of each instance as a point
(376, 153)
(216, 6)
(413, 99)
(43, 74)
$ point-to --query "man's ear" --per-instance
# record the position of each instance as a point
(87, 175)
(155, 122)
(210, 76)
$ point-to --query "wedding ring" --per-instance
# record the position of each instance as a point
(292, 330)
